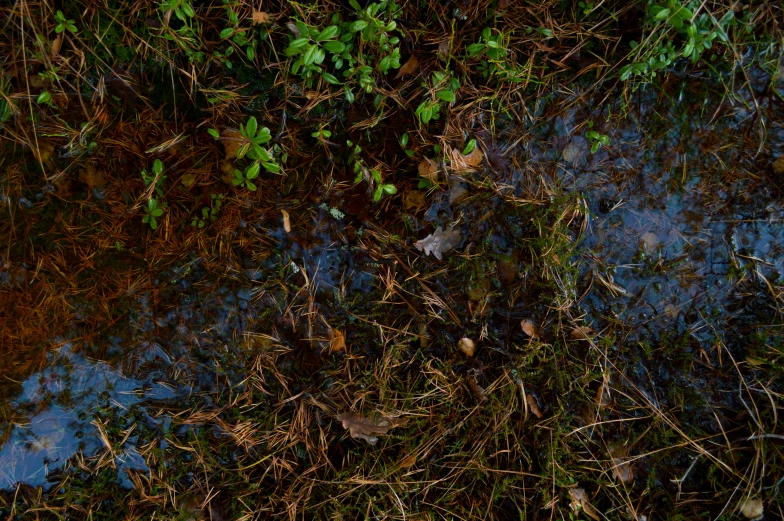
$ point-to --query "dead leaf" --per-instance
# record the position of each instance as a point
(456, 194)
(413, 200)
(622, 469)
(286, 221)
(534, 406)
(227, 171)
(650, 241)
(91, 177)
(188, 180)
(44, 151)
(752, 509)
(360, 427)
(428, 169)
(778, 165)
(260, 17)
(459, 163)
(602, 398)
(408, 461)
(529, 328)
(477, 389)
(443, 48)
(408, 68)
(57, 43)
(581, 333)
(439, 242)
(467, 346)
(576, 151)
(232, 142)
(337, 342)
(294, 29)
(580, 501)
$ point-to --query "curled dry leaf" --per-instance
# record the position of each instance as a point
(408, 68)
(428, 169)
(360, 427)
(286, 221)
(337, 342)
(752, 509)
(232, 141)
(622, 469)
(581, 333)
(529, 328)
(529, 398)
(467, 346)
(580, 501)
(260, 17)
(91, 177)
(439, 242)
(477, 389)
(464, 163)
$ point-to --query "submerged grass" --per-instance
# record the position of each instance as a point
(270, 305)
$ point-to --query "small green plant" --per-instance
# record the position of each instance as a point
(182, 9)
(372, 176)
(493, 50)
(355, 48)
(45, 98)
(443, 88)
(63, 23)
(322, 134)
(404, 143)
(209, 213)
(245, 178)
(255, 136)
(597, 140)
(151, 213)
(668, 20)
(156, 176)
(236, 36)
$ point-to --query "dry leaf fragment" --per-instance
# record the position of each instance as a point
(580, 501)
(188, 180)
(337, 342)
(408, 461)
(294, 29)
(439, 242)
(581, 333)
(408, 68)
(91, 177)
(260, 17)
(286, 221)
(464, 163)
(443, 48)
(232, 142)
(752, 509)
(477, 389)
(529, 398)
(414, 200)
(622, 469)
(529, 328)
(428, 169)
(57, 43)
(778, 165)
(467, 346)
(360, 427)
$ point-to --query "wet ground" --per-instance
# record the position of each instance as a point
(680, 258)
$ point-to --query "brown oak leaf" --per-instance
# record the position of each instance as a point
(439, 242)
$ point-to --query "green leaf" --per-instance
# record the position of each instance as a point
(377, 194)
(310, 55)
(188, 10)
(157, 212)
(358, 25)
(470, 146)
(214, 132)
(251, 127)
(390, 189)
(272, 167)
(253, 171)
(330, 78)
(44, 97)
(250, 186)
(157, 167)
(334, 46)
(250, 52)
(153, 223)
(349, 94)
(404, 139)
(327, 34)
(595, 147)
(662, 14)
(446, 95)
(227, 32)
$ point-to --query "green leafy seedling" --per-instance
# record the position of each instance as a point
(63, 23)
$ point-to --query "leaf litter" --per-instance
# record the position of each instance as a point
(439, 242)
(361, 427)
